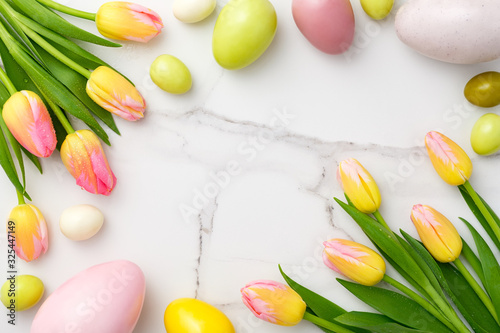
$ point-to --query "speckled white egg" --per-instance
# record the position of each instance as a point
(191, 11)
(455, 31)
(81, 222)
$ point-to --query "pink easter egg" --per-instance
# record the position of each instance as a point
(105, 298)
(327, 24)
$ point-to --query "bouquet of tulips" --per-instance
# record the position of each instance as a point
(47, 77)
(440, 294)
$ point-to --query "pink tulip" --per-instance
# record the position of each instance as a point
(29, 122)
(84, 158)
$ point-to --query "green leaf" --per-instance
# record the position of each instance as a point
(479, 216)
(57, 92)
(375, 323)
(322, 307)
(396, 306)
(386, 241)
(472, 312)
(473, 260)
(317, 304)
(68, 47)
(7, 164)
(52, 21)
(491, 269)
(405, 275)
(473, 309)
(77, 83)
(422, 261)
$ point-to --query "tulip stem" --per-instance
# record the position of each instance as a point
(7, 82)
(477, 288)
(447, 310)
(55, 52)
(20, 198)
(325, 323)
(60, 115)
(68, 10)
(482, 208)
(420, 300)
(381, 220)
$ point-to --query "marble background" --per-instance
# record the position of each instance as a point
(220, 185)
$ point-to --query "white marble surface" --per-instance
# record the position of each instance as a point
(276, 131)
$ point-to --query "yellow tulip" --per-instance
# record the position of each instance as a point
(450, 161)
(114, 93)
(437, 233)
(128, 21)
(27, 224)
(355, 261)
(274, 302)
(359, 186)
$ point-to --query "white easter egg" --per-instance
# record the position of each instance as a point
(191, 11)
(455, 31)
(81, 222)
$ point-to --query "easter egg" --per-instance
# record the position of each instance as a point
(327, 24)
(81, 222)
(243, 32)
(170, 74)
(106, 298)
(484, 89)
(485, 135)
(377, 9)
(189, 315)
(455, 31)
(21, 292)
(191, 11)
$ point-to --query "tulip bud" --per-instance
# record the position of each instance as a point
(27, 225)
(355, 261)
(437, 233)
(450, 161)
(128, 21)
(274, 302)
(29, 122)
(359, 186)
(115, 93)
(84, 158)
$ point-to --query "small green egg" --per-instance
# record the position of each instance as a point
(170, 74)
(21, 292)
(485, 135)
(377, 9)
(484, 89)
